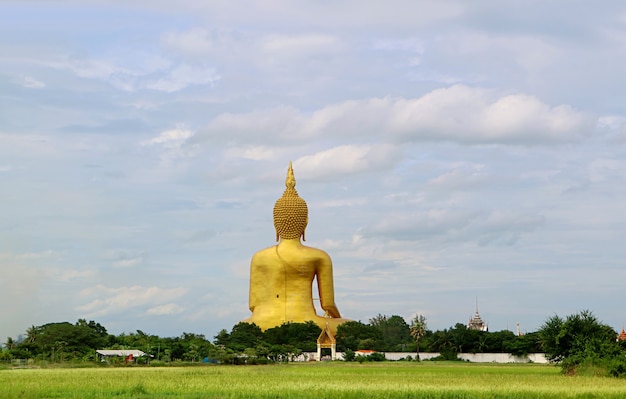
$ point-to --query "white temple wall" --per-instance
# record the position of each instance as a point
(471, 357)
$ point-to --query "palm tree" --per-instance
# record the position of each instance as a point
(10, 344)
(418, 329)
(31, 334)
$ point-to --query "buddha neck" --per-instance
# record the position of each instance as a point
(290, 242)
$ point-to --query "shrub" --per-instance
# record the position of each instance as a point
(376, 357)
(349, 355)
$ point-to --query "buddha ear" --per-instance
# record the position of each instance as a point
(277, 236)
(303, 239)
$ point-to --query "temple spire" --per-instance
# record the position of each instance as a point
(476, 322)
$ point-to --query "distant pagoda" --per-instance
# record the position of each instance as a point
(622, 335)
(476, 322)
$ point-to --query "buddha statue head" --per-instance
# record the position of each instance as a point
(290, 211)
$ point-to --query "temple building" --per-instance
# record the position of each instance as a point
(476, 322)
(622, 335)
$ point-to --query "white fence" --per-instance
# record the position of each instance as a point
(471, 357)
(477, 357)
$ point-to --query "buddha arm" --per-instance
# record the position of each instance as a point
(326, 288)
(254, 281)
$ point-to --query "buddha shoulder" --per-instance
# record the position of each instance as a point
(316, 251)
(269, 252)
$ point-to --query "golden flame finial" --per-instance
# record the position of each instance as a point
(290, 182)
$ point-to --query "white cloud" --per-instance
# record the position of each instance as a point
(604, 169)
(47, 254)
(506, 227)
(182, 76)
(473, 115)
(263, 125)
(170, 308)
(459, 113)
(135, 73)
(122, 258)
(459, 178)
(32, 83)
(95, 69)
(614, 127)
(344, 202)
(255, 153)
(285, 15)
(410, 226)
(74, 274)
(39, 145)
(173, 144)
(194, 42)
(172, 138)
(347, 159)
(412, 45)
(132, 262)
(111, 300)
(500, 227)
(300, 45)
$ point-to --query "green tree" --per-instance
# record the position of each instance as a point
(196, 346)
(395, 332)
(418, 330)
(353, 334)
(302, 336)
(552, 344)
(441, 341)
(10, 344)
(464, 339)
(64, 340)
(581, 343)
(193, 353)
(31, 334)
(525, 344)
(279, 353)
(221, 339)
(244, 335)
(495, 342)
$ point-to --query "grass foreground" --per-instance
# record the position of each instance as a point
(310, 380)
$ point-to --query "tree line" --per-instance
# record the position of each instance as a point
(577, 343)
(63, 341)
(393, 334)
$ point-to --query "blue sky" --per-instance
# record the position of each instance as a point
(446, 151)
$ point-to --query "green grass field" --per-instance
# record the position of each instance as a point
(310, 380)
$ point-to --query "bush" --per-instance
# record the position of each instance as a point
(349, 355)
(376, 357)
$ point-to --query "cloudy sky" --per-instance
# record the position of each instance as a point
(448, 153)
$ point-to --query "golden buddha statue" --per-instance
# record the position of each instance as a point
(281, 276)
